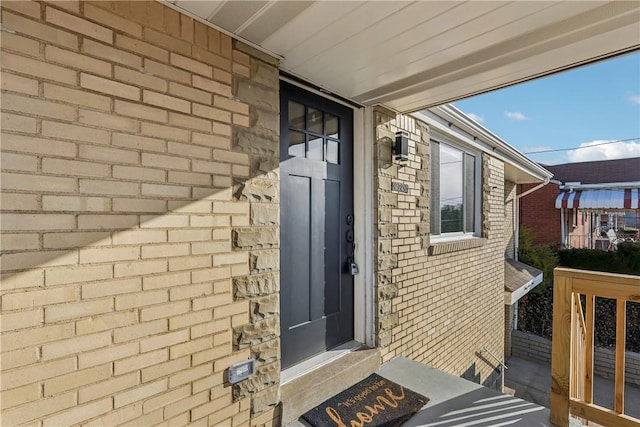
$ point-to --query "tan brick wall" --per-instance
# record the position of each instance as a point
(437, 309)
(135, 204)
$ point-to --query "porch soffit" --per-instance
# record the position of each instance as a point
(409, 55)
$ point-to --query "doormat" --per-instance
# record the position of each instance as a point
(374, 402)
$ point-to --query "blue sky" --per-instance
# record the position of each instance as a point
(589, 105)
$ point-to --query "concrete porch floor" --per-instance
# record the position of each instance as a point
(461, 403)
(458, 402)
(455, 402)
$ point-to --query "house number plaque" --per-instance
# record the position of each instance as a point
(400, 187)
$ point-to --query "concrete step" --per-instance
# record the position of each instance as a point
(314, 387)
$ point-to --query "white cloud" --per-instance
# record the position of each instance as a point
(515, 115)
(478, 118)
(634, 99)
(599, 151)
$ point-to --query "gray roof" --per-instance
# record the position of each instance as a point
(517, 274)
(596, 172)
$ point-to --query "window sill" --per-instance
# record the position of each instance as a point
(439, 248)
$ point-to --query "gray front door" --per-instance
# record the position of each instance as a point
(316, 223)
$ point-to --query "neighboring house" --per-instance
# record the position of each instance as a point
(583, 203)
(175, 203)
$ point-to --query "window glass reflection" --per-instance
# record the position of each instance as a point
(296, 143)
(332, 126)
(314, 120)
(332, 152)
(451, 174)
(296, 115)
(315, 149)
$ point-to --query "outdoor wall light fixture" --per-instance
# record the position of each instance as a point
(401, 146)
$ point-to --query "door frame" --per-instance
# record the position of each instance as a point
(363, 178)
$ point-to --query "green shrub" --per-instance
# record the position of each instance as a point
(535, 314)
(542, 257)
(626, 260)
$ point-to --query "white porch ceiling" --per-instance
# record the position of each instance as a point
(409, 55)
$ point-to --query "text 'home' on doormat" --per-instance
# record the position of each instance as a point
(374, 402)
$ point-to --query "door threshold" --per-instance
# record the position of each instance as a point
(317, 361)
(315, 380)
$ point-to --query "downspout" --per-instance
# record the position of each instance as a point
(592, 227)
(517, 213)
(517, 241)
(562, 227)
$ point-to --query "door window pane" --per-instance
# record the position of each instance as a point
(332, 152)
(296, 115)
(296, 143)
(332, 126)
(315, 149)
(308, 124)
(314, 120)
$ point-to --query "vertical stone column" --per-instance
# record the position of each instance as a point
(385, 260)
(260, 236)
(423, 178)
(402, 220)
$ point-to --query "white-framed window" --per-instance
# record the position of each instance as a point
(455, 191)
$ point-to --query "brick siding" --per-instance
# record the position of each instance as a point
(539, 214)
(436, 309)
(140, 226)
(133, 196)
